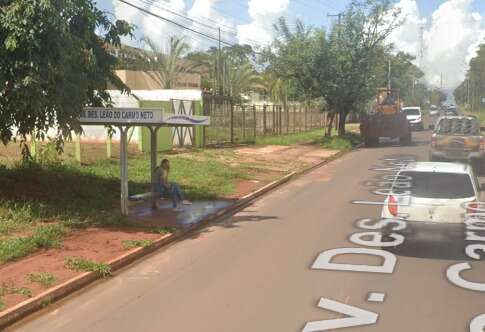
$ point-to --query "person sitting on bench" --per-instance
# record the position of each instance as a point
(163, 186)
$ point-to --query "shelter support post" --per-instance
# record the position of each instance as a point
(124, 169)
(153, 154)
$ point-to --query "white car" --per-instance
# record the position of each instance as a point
(414, 116)
(432, 192)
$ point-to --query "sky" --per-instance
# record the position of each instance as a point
(451, 29)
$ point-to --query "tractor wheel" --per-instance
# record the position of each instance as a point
(405, 140)
(370, 141)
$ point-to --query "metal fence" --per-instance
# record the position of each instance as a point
(243, 123)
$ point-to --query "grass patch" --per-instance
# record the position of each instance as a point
(44, 237)
(130, 244)
(2, 304)
(164, 230)
(340, 143)
(75, 196)
(350, 139)
(7, 289)
(84, 265)
(44, 278)
(291, 139)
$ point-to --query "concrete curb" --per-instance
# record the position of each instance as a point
(23, 309)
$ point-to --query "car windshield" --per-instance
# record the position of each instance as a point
(411, 111)
(440, 185)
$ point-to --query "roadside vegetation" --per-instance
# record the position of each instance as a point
(41, 202)
(45, 279)
(85, 265)
(131, 244)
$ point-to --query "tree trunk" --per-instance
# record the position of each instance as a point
(341, 124)
(328, 129)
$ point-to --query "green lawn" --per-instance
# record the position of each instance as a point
(42, 202)
(291, 139)
(39, 203)
(313, 137)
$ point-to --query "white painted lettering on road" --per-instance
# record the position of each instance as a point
(478, 324)
(376, 239)
(381, 223)
(357, 317)
(323, 261)
(453, 275)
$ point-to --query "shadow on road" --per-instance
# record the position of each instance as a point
(435, 243)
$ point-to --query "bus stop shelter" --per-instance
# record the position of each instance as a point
(124, 118)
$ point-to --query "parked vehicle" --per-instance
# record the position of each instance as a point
(457, 138)
(386, 119)
(437, 193)
(434, 209)
(434, 115)
(414, 116)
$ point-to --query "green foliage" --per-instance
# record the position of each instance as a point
(291, 139)
(342, 66)
(470, 92)
(46, 279)
(54, 61)
(164, 230)
(48, 154)
(84, 265)
(9, 288)
(130, 244)
(228, 72)
(2, 304)
(167, 65)
(347, 142)
(46, 302)
(44, 237)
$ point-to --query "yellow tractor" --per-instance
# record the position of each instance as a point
(385, 119)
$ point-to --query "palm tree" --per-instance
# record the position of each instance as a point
(167, 66)
(240, 79)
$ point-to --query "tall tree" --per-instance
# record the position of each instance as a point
(239, 79)
(355, 48)
(471, 91)
(53, 62)
(166, 66)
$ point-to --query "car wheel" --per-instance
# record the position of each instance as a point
(405, 140)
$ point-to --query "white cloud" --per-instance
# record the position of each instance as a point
(450, 39)
(204, 11)
(263, 14)
(454, 33)
(406, 38)
(160, 32)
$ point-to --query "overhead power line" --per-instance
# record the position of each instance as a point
(168, 20)
(175, 23)
(229, 30)
(153, 3)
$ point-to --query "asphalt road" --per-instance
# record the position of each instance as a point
(253, 272)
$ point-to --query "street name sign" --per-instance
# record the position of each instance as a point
(139, 116)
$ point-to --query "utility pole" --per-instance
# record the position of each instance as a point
(421, 47)
(219, 76)
(389, 75)
(441, 82)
